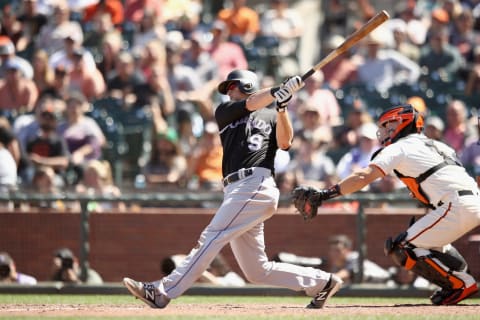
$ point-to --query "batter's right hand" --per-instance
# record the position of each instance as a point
(293, 84)
(283, 96)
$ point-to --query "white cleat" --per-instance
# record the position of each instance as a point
(332, 286)
(147, 292)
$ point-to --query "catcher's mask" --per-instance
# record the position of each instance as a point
(408, 121)
(246, 80)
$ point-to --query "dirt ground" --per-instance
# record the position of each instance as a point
(138, 310)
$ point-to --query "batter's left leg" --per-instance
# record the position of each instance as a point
(249, 250)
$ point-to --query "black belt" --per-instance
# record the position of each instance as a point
(234, 177)
(460, 193)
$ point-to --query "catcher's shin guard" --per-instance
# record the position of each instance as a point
(439, 268)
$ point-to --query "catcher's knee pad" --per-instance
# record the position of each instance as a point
(432, 265)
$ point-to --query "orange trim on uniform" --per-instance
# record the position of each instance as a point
(432, 225)
(456, 282)
(374, 165)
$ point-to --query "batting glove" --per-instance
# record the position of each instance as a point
(293, 84)
(282, 96)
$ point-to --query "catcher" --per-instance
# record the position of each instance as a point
(432, 173)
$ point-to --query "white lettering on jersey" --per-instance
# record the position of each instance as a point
(255, 142)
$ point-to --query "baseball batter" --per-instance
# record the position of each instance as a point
(251, 133)
(434, 176)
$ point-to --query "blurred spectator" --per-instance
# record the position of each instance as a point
(286, 180)
(470, 155)
(312, 122)
(97, 180)
(241, 20)
(228, 55)
(342, 70)
(27, 126)
(348, 133)
(167, 164)
(344, 262)
(457, 127)
(149, 28)
(472, 86)
(11, 27)
(87, 80)
(9, 140)
(463, 35)
(10, 274)
(111, 46)
(82, 134)
(43, 73)
(440, 59)
(60, 85)
(156, 92)
(439, 19)
(32, 21)
(121, 83)
(48, 148)
(65, 268)
(359, 156)
(96, 30)
(402, 41)
(310, 164)
(8, 169)
(7, 54)
(45, 181)
(285, 26)
(68, 54)
(323, 98)
(434, 127)
(114, 8)
(205, 163)
(135, 9)
(153, 56)
(17, 93)
(382, 67)
(52, 35)
(197, 57)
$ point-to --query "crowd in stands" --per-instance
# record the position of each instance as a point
(101, 96)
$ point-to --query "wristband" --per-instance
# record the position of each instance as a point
(281, 110)
(333, 192)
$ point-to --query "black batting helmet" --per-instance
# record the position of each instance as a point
(247, 81)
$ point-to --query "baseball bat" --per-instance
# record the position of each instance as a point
(353, 39)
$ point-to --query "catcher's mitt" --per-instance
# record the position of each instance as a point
(307, 200)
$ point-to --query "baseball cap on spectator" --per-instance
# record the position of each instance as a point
(5, 259)
(211, 127)
(218, 25)
(174, 40)
(334, 41)
(417, 32)
(368, 130)
(6, 46)
(12, 64)
(418, 103)
(397, 25)
(440, 15)
(76, 97)
(64, 253)
(309, 107)
(70, 34)
(170, 135)
(435, 122)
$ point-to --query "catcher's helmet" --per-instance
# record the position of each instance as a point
(247, 81)
(410, 121)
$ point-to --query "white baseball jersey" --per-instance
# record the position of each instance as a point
(453, 193)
